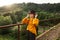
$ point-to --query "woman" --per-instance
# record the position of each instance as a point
(32, 21)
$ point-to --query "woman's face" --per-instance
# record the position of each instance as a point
(31, 15)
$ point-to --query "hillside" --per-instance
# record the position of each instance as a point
(13, 7)
(38, 7)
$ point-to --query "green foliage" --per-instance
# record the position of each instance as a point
(5, 20)
(13, 17)
(23, 35)
(6, 37)
(19, 15)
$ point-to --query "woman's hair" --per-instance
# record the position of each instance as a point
(32, 12)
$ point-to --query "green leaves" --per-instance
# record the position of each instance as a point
(5, 20)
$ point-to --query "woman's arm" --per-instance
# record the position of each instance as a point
(36, 21)
(25, 20)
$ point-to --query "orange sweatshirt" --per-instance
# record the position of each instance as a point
(32, 24)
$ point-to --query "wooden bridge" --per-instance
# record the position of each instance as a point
(51, 34)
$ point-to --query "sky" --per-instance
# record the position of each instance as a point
(8, 2)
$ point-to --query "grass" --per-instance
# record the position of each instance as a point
(6, 37)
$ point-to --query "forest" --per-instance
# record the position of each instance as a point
(14, 13)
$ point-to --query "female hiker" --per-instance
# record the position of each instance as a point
(32, 21)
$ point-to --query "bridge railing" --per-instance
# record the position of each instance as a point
(8, 26)
(52, 34)
(18, 24)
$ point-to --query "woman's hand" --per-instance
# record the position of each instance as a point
(36, 15)
(27, 16)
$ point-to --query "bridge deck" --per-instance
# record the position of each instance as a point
(52, 34)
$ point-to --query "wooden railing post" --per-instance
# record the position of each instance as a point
(18, 32)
